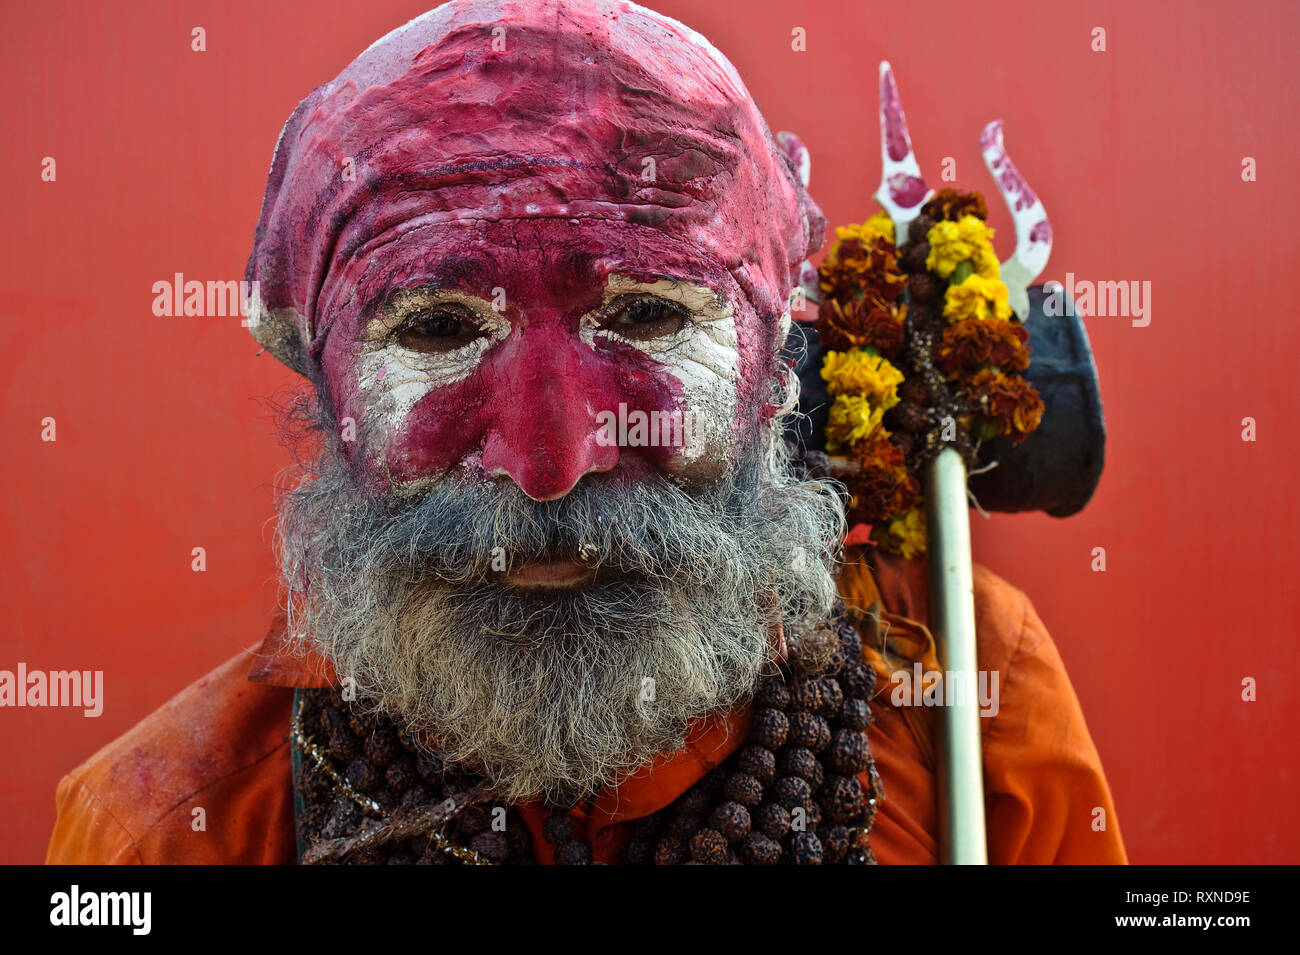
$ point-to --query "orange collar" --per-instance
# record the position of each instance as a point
(280, 664)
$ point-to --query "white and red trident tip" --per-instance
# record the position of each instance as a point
(1033, 231)
(903, 192)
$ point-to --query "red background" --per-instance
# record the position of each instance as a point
(165, 442)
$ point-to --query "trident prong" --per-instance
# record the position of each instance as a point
(1033, 230)
(902, 190)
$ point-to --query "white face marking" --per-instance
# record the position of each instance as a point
(703, 355)
(394, 378)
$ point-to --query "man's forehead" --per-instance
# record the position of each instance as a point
(573, 278)
(549, 261)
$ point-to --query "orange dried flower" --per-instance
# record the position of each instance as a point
(952, 204)
(973, 342)
(861, 264)
(885, 486)
(1009, 401)
(843, 325)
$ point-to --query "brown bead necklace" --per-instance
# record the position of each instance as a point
(792, 794)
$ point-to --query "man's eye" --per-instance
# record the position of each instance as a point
(644, 319)
(438, 330)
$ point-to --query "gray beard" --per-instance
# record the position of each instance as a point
(554, 694)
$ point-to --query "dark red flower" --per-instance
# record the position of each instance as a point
(884, 487)
(865, 321)
(1009, 401)
(973, 342)
(952, 204)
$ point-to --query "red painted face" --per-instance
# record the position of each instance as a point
(526, 346)
(510, 233)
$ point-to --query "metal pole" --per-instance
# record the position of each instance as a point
(952, 619)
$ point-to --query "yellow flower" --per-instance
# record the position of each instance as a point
(977, 297)
(879, 226)
(852, 418)
(859, 373)
(907, 533)
(986, 261)
(952, 243)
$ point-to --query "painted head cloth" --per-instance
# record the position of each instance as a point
(481, 111)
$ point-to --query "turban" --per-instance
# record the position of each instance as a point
(488, 110)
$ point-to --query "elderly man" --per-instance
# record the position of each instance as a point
(554, 592)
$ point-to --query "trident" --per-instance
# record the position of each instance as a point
(952, 597)
(902, 193)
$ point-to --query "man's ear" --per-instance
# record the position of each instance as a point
(278, 331)
(799, 163)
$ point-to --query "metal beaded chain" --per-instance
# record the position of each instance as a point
(321, 760)
(790, 795)
(391, 804)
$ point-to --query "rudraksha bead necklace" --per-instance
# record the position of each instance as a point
(791, 794)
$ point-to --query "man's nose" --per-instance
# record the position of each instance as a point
(545, 434)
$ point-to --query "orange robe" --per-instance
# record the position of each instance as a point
(221, 746)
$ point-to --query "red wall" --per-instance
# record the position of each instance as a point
(164, 441)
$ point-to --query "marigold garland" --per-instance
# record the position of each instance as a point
(879, 226)
(917, 337)
(862, 262)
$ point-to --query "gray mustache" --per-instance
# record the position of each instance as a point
(462, 531)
